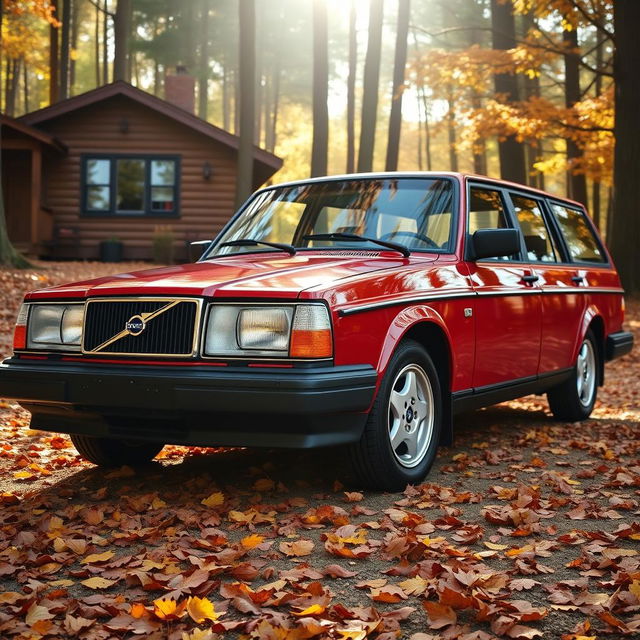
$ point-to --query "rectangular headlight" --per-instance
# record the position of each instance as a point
(280, 331)
(264, 329)
(55, 326)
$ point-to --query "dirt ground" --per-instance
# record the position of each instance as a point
(525, 528)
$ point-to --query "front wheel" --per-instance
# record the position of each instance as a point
(574, 399)
(113, 452)
(401, 436)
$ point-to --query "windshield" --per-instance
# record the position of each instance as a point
(414, 212)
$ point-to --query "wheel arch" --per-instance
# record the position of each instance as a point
(425, 325)
(594, 322)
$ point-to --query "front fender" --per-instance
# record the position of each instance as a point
(401, 324)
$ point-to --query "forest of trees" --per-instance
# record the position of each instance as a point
(536, 91)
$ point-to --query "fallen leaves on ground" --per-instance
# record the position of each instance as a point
(527, 528)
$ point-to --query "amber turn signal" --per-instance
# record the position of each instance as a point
(311, 333)
(311, 344)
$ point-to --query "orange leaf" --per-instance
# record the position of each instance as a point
(439, 615)
(313, 610)
(98, 583)
(214, 500)
(297, 548)
(98, 557)
(249, 542)
(168, 609)
(201, 609)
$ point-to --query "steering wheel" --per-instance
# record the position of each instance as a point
(412, 234)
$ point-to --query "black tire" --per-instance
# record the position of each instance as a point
(376, 463)
(112, 452)
(574, 399)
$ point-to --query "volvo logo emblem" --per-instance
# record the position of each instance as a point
(135, 325)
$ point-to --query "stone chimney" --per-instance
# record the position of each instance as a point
(180, 89)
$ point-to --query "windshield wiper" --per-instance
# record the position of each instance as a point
(250, 242)
(337, 235)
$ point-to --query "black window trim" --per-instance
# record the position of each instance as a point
(555, 236)
(606, 263)
(112, 213)
(509, 217)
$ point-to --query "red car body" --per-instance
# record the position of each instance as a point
(496, 330)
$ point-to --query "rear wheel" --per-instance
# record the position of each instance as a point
(401, 436)
(111, 452)
(573, 400)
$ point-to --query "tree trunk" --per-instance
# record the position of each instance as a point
(203, 76)
(25, 86)
(247, 86)
(105, 43)
(625, 225)
(596, 203)
(96, 51)
(74, 45)
(371, 87)
(54, 72)
(65, 47)
(121, 31)
(271, 134)
(512, 160)
(226, 100)
(351, 90)
(12, 83)
(395, 117)
(451, 131)
(576, 183)
(419, 150)
(319, 149)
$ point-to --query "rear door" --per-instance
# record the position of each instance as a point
(508, 307)
(562, 301)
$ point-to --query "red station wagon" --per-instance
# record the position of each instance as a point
(360, 310)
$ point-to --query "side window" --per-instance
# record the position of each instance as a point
(537, 240)
(581, 242)
(486, 211)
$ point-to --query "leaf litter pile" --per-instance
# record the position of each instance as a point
(526, 528)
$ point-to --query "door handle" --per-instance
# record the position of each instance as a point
(530, 278)
(577, 279)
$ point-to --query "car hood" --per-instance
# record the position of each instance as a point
(254, 275)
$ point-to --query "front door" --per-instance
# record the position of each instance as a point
(508, 307)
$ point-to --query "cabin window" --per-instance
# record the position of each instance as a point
(124, 185)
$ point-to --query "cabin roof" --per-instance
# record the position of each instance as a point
(168, 109)
(31, 132)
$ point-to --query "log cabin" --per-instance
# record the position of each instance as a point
(117, 165)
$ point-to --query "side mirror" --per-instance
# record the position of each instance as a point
(495, 243)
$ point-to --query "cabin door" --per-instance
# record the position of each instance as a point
(16, 188)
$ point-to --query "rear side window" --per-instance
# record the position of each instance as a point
(537, 239)
(581, 241)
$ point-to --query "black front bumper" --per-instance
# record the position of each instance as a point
(194, 405)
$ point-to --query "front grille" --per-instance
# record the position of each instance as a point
(171, 332)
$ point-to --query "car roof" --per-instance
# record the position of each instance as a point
(423, 174)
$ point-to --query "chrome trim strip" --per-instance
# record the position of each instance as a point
(399, 301)
(471, 294)
(171, 301)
